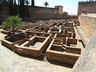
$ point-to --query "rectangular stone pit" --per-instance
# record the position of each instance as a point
(74, 50)
(56, 53)
(58, 41)
(11, 45)
(34, 47)
(69, 24)
(38, 34)
(61, 37)
(71, 41)
(55, 30)
(71, 29)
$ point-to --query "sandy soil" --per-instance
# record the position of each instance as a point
(1, 36)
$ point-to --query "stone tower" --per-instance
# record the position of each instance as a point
(60, 9)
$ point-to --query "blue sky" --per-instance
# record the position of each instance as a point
(71, 6)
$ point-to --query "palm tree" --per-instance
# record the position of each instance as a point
(26, 2)
(46, 4)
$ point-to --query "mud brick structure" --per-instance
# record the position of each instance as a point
(73, 50)
(71, 41)
(60, 9)
(64, 54)
(32, 13)
(7, 44)
(33, 47)
(64, 47)
(87, 7)
(58, 54)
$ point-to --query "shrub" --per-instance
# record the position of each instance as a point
(12, 23)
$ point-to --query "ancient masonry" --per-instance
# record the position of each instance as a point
(55, 40)
(87, 7)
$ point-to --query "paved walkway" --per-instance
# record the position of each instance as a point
(11, 62)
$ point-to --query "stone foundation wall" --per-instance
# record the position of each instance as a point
(62, 57)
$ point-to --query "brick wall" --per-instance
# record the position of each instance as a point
(32, 13)
(4, 13)
(42, 10)
(86, 7)
(60, 9)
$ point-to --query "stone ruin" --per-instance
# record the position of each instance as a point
(55, 39)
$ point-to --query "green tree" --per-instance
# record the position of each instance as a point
(12, 23)
(46, 4)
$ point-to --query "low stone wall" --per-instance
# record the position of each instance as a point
(88, 24)
(7, 44)
(24, 50)
(62, 57)
(73, 50)
(55, 52)
(4, 32)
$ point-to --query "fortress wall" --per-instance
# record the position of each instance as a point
(86, 7)
(42, 10)
(4, 13)
(32, 13)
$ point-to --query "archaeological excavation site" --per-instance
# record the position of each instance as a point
(46, 39)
